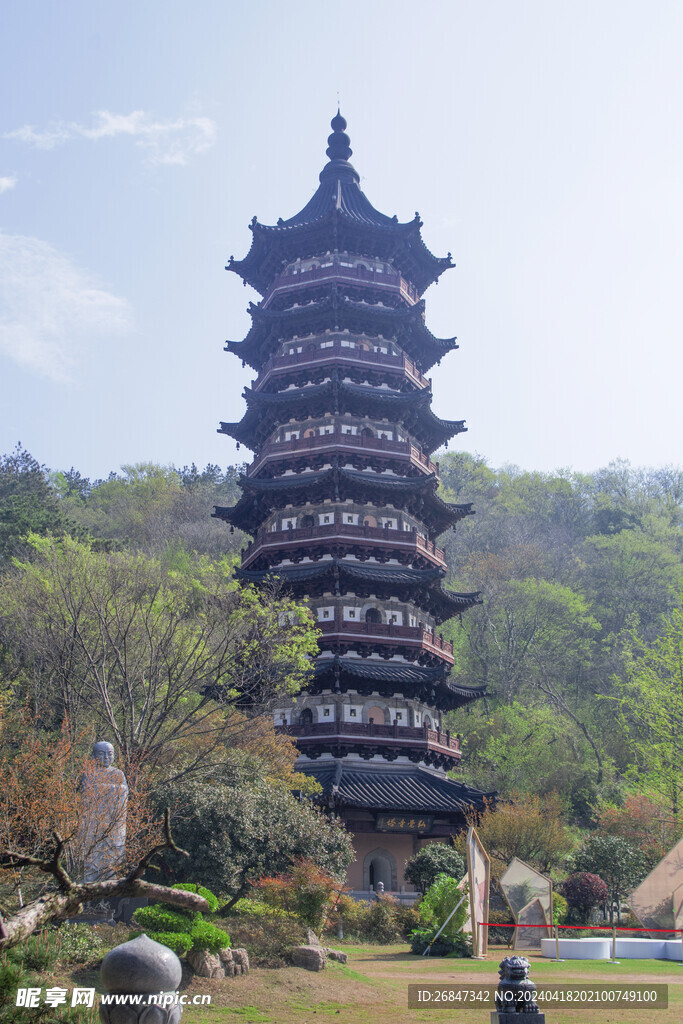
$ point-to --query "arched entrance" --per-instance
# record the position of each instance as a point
(373, 615)
(380, 866)
(307, 521)
(306, 717)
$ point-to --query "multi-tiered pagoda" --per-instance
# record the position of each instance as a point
(341, 504)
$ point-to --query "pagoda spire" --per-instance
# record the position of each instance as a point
(339, 150)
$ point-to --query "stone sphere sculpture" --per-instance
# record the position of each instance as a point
(144, 968)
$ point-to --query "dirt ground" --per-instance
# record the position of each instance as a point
(373, 989)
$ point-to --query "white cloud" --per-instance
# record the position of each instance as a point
(6, 184)
(165, 142)
(49, 308)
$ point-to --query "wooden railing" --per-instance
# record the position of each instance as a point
(313, 354)
(392, 281)
(392, 633)
(412, 540)
(338, 439)
(408, 734)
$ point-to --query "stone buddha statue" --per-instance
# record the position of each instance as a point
(102, 838)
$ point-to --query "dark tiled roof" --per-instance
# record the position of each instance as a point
(401, 677)
(408, 789)
(266, 409)
(339, 215)
(382, 671)
(421, 584)
(270, 326)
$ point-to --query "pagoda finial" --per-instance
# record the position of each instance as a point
(338, 149)
(338, 144)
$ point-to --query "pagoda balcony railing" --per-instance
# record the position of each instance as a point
(268, 540)
(349, 442)
(410, 735)
(388, 632)
(336, 271)
(314, 355)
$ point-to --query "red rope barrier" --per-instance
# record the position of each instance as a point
(584, 927)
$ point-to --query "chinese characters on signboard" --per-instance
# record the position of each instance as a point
(421, 823)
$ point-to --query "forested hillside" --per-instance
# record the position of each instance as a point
(578, 639)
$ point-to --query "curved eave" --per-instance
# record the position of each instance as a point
(431, 683)
(414, 790)
(273, 246)
(424, 584)
(266, 410)
(261, 496)
(405, 324)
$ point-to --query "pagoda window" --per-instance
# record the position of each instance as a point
(325, 518)
(326, 344)
(387, 435)
(347, 429)
(294, 350)
(373, 615)
(351, 517)
(382, 349)
(325, 613)
(348, 344)
(292, 435)
(328, 429)
(427, 722)
(412, 620)
(288, 524)
(389, 524)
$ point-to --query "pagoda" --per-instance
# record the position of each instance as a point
(341, 504)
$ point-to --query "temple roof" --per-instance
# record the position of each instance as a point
(339, 216)
(427, 682)
(337, 311)
(263, 495)
(405, 789)
(267, 409)
(343, 576)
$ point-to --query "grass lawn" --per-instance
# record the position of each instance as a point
(373, 989)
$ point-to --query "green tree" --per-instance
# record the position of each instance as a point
(28, 503)
(650, 697)
(432, 860)
(617, 862)
(240, 830)
(158, 659)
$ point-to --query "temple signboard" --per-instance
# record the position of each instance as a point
(405, 823)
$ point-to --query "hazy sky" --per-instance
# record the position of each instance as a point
(541, 142)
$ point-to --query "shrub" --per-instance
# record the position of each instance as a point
(457, 946)
(305, 890)
(383, 920)
(584, 891)
(435, 859)
(249, 907)
(180, 928)
(266, 936)
(438, 903)
(200, 890)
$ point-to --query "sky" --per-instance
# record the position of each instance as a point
(541, 143)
